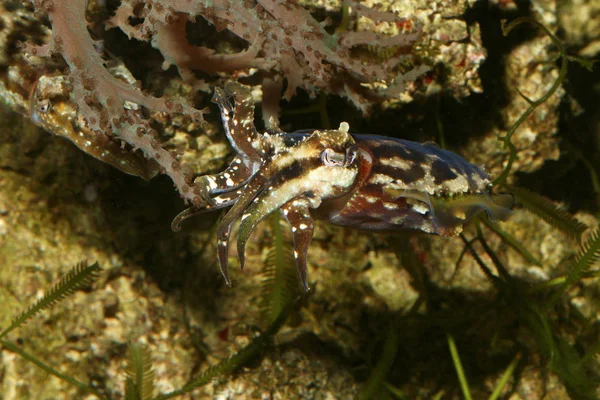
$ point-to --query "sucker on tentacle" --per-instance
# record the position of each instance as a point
(361, 181)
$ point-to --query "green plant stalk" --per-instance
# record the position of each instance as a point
(505, 377)
(394, 391)
(511, 241)
(276, 297)
(131, 392)
(462, 378)
(74, 382)
(500, 181)
(345, 22)
(439, 395)
(374, 384)
(280, 283)
(548, 284)
(564, 61)
(497, 282)
(499, 266)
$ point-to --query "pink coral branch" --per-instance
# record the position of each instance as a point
(104, 100)
(284, 42)
(171, 40)
(280, 32)
(100, 96)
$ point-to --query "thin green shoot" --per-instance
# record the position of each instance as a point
(505, 377)
(50, 370)
(462, 378)
(533, 104)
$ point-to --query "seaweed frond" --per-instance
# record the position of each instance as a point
(140, 375)
(533, 104)
(511, 241)
(280, 283)
(556, 216)
(80, 277)
(588, 255)
(48, 369)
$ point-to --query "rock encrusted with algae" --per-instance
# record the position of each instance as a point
(58, 206)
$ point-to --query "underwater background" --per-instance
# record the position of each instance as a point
(134, 310)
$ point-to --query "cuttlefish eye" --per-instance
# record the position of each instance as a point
(351, 153)
(43, 106)
(40, 108)
(332, 158)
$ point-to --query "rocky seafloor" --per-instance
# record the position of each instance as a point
(382, 306)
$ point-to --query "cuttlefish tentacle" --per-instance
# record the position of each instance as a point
(237, 113)
(297, 213)
(252, 189)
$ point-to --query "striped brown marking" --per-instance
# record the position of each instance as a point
(442, 172)
(441, 165)
(414, 174)
(396, 149)
(296, 170)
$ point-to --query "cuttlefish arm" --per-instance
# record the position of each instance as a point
(231, 179)
(237, 113)
(218, 202)
(297, 213)
(252, 189)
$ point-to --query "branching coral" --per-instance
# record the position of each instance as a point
(283, 38)
(285, 42)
